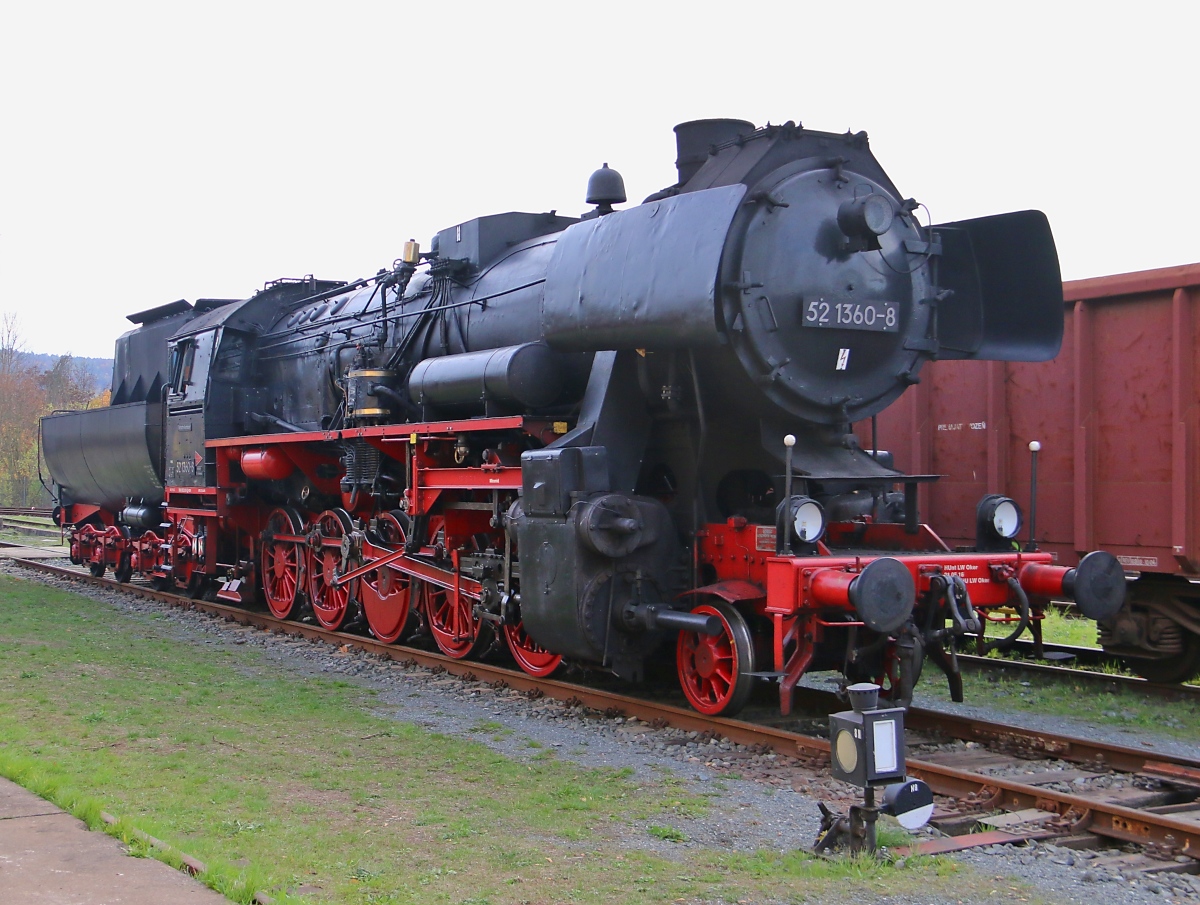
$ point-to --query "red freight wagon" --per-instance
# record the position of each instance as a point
(1116, 416)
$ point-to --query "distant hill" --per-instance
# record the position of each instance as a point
(99, 368)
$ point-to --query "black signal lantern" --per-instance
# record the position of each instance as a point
(867, 744)
(867, 750)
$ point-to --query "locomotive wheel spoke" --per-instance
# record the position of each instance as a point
(386, 593)
(282, 565)
(530, 656)
(330, 604)
(456, 630)
(715, 670)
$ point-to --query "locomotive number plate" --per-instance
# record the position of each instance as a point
(882, 317)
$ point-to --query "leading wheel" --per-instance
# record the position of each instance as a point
(330, 603)
(386, 593)
(282, 562)
(715, 670)
(530, 656)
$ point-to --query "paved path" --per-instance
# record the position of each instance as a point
(47, 857)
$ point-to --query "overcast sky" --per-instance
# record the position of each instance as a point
(155, 151)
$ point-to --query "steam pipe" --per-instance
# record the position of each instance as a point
(273, 421)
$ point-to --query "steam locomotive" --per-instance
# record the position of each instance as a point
(611, 440)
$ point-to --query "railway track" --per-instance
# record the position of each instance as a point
(32, 513)
(1061, 653)
(28, 522)
(1057, 654)
(1023, 784)
(1092, 678)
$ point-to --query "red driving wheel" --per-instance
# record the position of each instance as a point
(387, 593)
(530, 656)
(329, 602)
(456, 630)
(282, 562)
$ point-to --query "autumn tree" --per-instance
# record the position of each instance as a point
(67, 385)
(26, 394)
(21, 405)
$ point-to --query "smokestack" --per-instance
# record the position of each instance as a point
(693, 140)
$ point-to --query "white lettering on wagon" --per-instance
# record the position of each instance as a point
(959, 425)
(1147, 562)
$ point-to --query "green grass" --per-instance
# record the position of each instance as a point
(281, 783)
(1059, 627)
(1064, 627)
(14, 534)
(1121, 708)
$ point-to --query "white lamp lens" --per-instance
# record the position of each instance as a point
(1006, 519)
(885, 746)
(809, 522)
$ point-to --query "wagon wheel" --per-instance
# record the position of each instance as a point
(330, 603)
(1170, 671)
(386, 593)
(715, 671)
(530, 656)
(282, 562)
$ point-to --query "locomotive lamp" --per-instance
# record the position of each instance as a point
(866, 217)
(867, 750)
(997, 522)
(808, 519)
(797, 517)
(863, 220)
